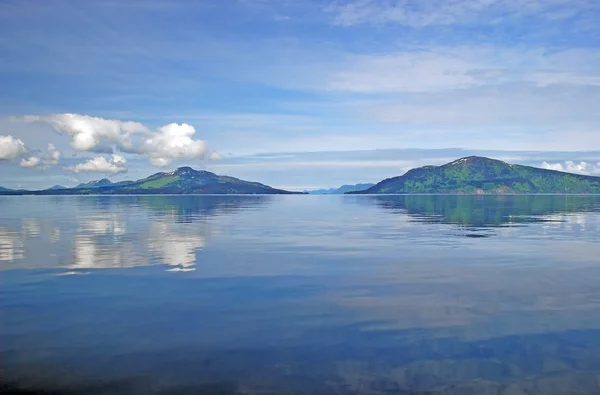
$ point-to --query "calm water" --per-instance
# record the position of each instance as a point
(301, 294)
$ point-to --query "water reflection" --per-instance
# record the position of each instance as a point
(11, 246)
(177, 247)
(483, 210)
(114, 232)
(478, 215)
(302, 294)
(193, 208)
(89, 253)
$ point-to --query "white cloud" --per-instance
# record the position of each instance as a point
(215, 156)
(159, 162)
(93, 134)
(573, 167)
(11, 148)
(32, 161)
(114, 165)
(51, 158)
(172, 142)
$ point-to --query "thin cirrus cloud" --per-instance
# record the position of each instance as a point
(449, 12)
(435, 68)
(94, 134)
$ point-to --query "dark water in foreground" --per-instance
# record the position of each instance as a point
(301, 294)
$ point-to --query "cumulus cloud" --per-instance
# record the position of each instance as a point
(93, 134)
(114, 165)
(172, 142)
(51, 158)
(11, 148)
(30, 162)
(572, 167)
(215, 156)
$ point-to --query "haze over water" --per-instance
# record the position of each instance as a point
(301, 294)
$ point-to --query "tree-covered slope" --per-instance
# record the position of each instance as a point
(184, 180)
(485, 176)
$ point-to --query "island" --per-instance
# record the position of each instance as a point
(181, 181)
(480, 175)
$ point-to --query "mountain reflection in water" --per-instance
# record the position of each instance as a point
(301, 294)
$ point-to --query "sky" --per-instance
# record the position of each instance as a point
(296, 94)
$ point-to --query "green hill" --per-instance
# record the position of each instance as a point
(184, 180)
(105, 182)
(477, 175)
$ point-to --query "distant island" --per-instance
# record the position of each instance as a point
(470, 175)
(479, 175)
(341, 190)
(183, 180)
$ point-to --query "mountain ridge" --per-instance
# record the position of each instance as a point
(480, 175)
(183, 180)
(95, 184)
(340, 190)
(468, 175)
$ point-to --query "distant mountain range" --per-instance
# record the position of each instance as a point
(341, 190)
(105, 182)
(184, 180)
(471, 175)
(478, 175)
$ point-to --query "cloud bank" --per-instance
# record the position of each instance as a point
(98, 135)
(572, 167)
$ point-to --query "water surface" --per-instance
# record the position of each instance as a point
(301, 294)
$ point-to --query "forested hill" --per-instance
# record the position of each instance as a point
(486, 176)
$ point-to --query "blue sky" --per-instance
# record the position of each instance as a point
(295, 94)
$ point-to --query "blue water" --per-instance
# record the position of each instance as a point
(301, 294)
